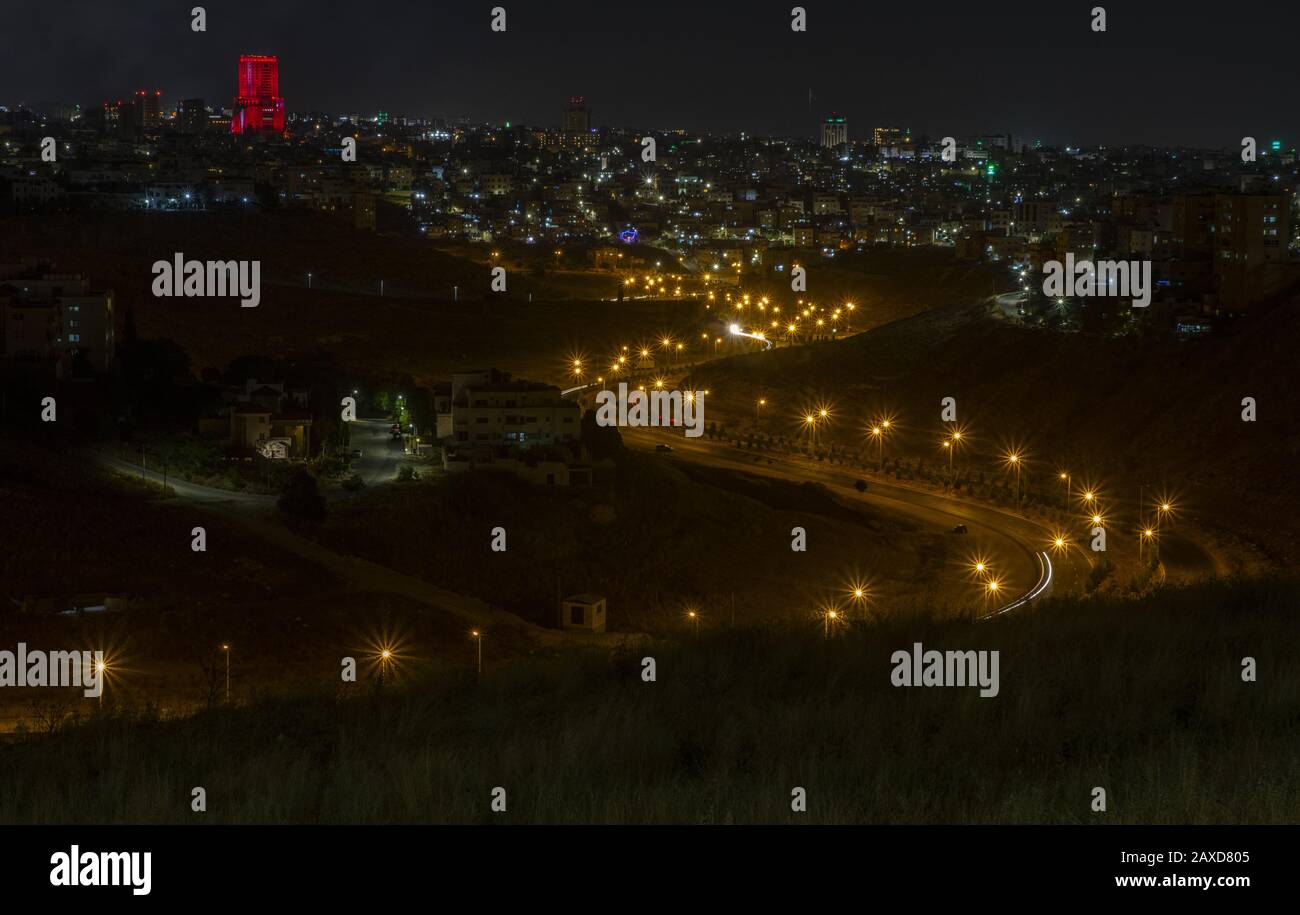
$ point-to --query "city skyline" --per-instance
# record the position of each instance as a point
(1083, 94)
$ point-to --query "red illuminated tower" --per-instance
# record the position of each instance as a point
(258, 107)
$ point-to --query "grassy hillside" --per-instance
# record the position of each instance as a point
(1116, 411)
(1145, 700)
(886, 284)
(416, 328)
(653, 540)
(68, 533)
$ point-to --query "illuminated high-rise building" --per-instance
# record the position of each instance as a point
(258, 106)
(835, 131)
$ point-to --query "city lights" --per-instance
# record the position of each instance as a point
(617, 382)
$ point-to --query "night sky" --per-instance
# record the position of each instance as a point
(1164, 73)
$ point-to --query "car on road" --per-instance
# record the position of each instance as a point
(356, 452)
(959, 529)
(663, 447)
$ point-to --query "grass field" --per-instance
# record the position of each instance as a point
(653, 540)
(1145, 700)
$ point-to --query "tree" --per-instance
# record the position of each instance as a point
(300, 499)
(600, 441)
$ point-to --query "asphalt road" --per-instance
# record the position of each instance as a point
(360, 574)
(380, 456)
(380, 452)
(192, 491)
(1015, 547)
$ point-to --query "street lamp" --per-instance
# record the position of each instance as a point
(1148, 534)
(810, 421)
(386, 658)
(951, 444)
(1013, 458)
(859, 591)
(823, 416)
(1065, 477)
(1163, 508)
(478, 638)
(101, 671)
(992, 588)
(226, 649)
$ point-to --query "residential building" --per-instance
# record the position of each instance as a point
(55, 317)
(489, 408)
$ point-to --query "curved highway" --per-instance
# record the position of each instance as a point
(1015, 547)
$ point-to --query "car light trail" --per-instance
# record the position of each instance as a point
(1044, 582)
(735, 331)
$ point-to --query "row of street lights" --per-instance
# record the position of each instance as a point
(832, 614)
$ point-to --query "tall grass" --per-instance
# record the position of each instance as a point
(1143, 698)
